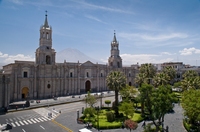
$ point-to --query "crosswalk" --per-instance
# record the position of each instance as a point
(41, 115)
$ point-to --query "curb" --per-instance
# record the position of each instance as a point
(46, 105)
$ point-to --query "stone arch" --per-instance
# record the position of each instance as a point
(87, 86)
(25, 93)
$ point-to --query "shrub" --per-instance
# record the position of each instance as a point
(110, 116)
(107, 102)
(89, 112)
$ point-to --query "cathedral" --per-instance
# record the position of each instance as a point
(44, 78)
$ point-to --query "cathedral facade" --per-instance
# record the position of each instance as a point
(44, 78)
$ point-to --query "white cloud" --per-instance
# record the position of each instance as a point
(167, 53)
(6, 59)
(189, 51)
(129, 59)
(92, 6)
(94, 18)
(19, 2)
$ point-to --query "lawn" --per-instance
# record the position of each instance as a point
(104, 124)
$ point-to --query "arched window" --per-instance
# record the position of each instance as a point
(87, 74)
(48, 86)
(71, 74)
(118, 65)
(111, 64)
(48, 59)
(43, 35)
(101, 74)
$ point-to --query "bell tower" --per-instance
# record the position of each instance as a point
(115, 60)
(44, 53)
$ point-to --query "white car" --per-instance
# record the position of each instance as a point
(84, 130)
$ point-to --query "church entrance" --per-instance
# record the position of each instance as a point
(25, 92)
(87, 86)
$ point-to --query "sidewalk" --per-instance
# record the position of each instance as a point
(50, 102)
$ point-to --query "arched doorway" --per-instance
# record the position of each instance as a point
(25, 92)
(130, 84)
(87, 86)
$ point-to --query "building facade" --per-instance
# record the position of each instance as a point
(44, 78)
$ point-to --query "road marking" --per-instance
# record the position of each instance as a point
(13, 124)
(17, 123)
(32, 120)
(42, 127)
(10, 119)
(21, 123)
(23, 130)
(25, 122)
(37, 120)
(44, 118)
(18, 118)
(29, 121)
(40, 119)
(64, 127)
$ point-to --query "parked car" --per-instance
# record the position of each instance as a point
(6, 127)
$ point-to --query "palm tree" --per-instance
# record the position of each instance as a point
(149, 71)
(140, 79)
(170, 72)
(116, 81)
(190, 83)
(190, 74)
(161, 79)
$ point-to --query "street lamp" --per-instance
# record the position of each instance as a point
(77, 115)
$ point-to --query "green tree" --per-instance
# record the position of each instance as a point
(145, 95)
(91, 100)
(161, 79)
(116, 81)
(191, 105)
(127, 108)
(129, 92)
(148, 70)
(161, 101)
(177, 84)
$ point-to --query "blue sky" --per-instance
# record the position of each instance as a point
(148, 31)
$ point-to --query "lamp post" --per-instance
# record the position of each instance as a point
(77, 115)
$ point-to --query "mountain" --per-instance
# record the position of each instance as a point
(73, 55)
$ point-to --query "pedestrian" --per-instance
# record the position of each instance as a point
(16, 107)
(143, 124)
(23, 106)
